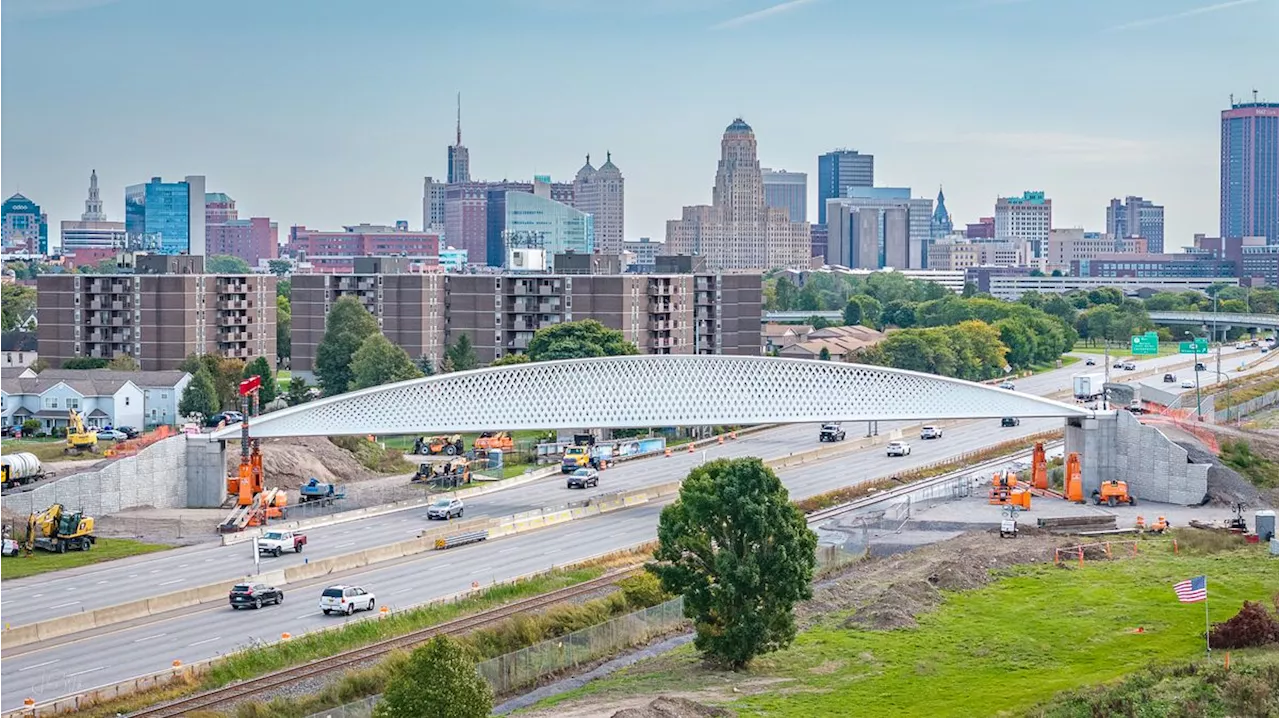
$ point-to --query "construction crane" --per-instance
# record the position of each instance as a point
(254, 504)
(79, 438)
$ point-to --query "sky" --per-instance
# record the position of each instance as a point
(327, 113)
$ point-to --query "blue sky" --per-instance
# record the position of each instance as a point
(330, 112)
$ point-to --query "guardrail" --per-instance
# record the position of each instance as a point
(462, 539)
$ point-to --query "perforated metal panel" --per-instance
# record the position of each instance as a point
(650, 390)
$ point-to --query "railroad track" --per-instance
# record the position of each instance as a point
(237, 692)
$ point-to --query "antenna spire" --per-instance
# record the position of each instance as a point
(459, 141)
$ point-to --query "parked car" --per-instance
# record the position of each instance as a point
(930, 432)
(128, 431)
(1170, 378)
(11, 431)
(583, 478)
(831, 432)
(1090, 362)
(255, 595)
(1007, 385)
(111, 435)
(1188, 384)
(898, 448)
(346, 599)
(445, 508)
(1010, 421)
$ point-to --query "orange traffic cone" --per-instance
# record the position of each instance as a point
(690, 447)
(667, 452)
(719, 439)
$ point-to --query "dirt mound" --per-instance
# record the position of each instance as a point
(663, 707)
(888, 593)
(1225, 486)
(288, 463)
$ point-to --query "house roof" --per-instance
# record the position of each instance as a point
(18, 341)
(773, 329)
(92, 382)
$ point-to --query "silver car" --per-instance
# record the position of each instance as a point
(445, 508)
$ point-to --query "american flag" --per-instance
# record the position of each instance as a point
(1192, 590)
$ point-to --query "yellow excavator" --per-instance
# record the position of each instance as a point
(79, 438)
(56, 530)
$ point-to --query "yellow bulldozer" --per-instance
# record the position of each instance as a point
(79, 438)
(56, 530)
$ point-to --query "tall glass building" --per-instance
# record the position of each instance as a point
(1250, 188)
(838, 170)
(543, 223)
(25, 227)
(166, 217)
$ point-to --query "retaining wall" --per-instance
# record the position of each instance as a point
(1117, 447)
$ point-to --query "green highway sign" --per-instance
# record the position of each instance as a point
(1144, 344)
(1199, 346)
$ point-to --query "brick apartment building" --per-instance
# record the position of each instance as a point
(678, 310)
(167, 309)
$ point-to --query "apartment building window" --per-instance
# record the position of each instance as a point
(72, 403)
(51, 402)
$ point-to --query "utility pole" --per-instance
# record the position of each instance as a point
(1195, 353)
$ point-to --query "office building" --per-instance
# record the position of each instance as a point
(535, 221)
(645, 252)
(1026, 218)
(1137, 217)
(167, 309)
(494, 253)
(985, 228)
(737, 230)
(954, 253)
(1255, 258)
(876, 227)
(466, 218)
(668, 312)
(218, 208)
(1154, 265)
(25, 227)
(459, 158)
(433, 206)
(1249, 188)
(93, 238)
(452, 260)
(166, 217)
(1011, 283)
(253, 240)
(818, 240)
(330, 252)
(601, 193)
(787, 190)
(838, 170)
(981, 275)
(1073, 244)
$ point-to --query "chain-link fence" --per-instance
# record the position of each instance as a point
(362, 708)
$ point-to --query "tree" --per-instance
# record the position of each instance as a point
(284, 288)
(426, 366)
(226, 375)
(261, 369)
(899, 313)
(299, 392)
(17, 303)
(280, 268)
(104, 266)
(85, 363)
(852, 313)
(123, 362)
(438, 680)
(741, 555)
(378, 362)
(785, 292)
(226, 264)
(39, 365)
(825, 354)
(461, 355)
(969, 290)
(819, 322)
(284, 328)
(578, 340)
(200, 396)
(510, 359)
(346, 328)
(871, 309)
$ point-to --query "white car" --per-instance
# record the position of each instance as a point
(346, 599)
(930, 432)
(445, 508)
(1242, 345)
(1006, 385)
(898, 448)
(1188, 384)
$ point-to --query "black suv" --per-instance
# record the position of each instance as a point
(255, 594)
(1010, 421)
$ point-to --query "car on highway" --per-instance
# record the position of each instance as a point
(1007, 385)
(1129, 366)
(831, 432)
(930, 432)
(245, 595)
(1170, 378)
(1117, 365)
(111, 435)
(898, 448)
(445, 508)
(1242, 345)
(1010, 421)
(346, 599)
(583, 478)
(1200, 366)
(1090, 362)
(1188, 384)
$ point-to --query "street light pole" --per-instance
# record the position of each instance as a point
(1195, 353)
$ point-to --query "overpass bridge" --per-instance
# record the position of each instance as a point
(1217, 319)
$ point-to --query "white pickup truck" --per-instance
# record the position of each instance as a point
(277, 542)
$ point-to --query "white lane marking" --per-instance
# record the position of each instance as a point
(148, 638)
(81, 673)
(299, 618)
(64, 605)
(207, 640)
(207, 560)
(133, 575)
(513, 548)
(176, 580)
(71, 589)
(341, 545)
(184, 565)
(156, 571)
(38, 595)
(38, 665)
(100, 583)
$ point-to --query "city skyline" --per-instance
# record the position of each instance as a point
(312, 153)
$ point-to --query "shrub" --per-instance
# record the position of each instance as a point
(643, 590)
(30, 427)
(1252, 626)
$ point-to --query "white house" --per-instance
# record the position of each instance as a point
(18, 349)
(103, 397)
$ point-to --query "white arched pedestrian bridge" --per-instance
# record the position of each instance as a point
(649, 391)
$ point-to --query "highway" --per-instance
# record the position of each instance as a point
(45, 673)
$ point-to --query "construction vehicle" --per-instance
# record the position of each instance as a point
(1237, 524)
(54, 529)
(79, 438)
(1007, 491)
(436, 445)
(500, 440)
(254, 503)
(18, 469)
(1008, 523)
(1112, 493)
(447, 475)
(316, 490)
(581, 455)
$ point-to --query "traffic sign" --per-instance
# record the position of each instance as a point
(1144, 344)
(1199, 346)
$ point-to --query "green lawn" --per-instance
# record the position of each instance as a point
(52, 449)
(106, 549)
(1000, 649)
(283, 377)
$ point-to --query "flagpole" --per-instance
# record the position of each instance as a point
(1208, 652)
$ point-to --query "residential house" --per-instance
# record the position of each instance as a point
(838, 341)
(776, 337)
(103, 397)
(18, 349)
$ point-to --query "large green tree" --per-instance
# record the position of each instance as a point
(226, 264)
(200, 396)
(510, 359)
(284, 328)
(438, 680)
(279, 267)
(741, 555)
(578, 340)
(85, 363)
(378, 362)
(226, 374)
(346, 328)
(261, 368)
(123, 362)
(16, 304)
(461, 355)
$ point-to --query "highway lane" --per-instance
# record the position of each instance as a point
(68, 592)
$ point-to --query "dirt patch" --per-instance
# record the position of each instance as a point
(179, 527)
(663, 707)
(1226, 487)
(827, 668)
(888, 593)
(288, 463)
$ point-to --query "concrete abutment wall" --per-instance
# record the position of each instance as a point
(1118, 447)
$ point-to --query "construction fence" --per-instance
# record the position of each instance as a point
(1233, 414)
(362, 708)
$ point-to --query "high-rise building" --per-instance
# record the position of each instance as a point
(466, 218)
(838, 170)
(252, 240)
(874, 227)
(25, 227)
(93, 238)
(219, 208)
(1250, 190)
(494, 253)
(459, 158)
(166, 217)
(1027, 218)
(163, 312)
(787, 190)
(940, 224)
(433, 205)
(601, 193)
(737, 231)
(1137, 217)
(330, 252)
(535, 221)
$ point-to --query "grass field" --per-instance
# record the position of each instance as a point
(106, 549)
(1001, 649)
(52, 449)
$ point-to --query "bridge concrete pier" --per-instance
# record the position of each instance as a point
(206, 472)
(1116, 446)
